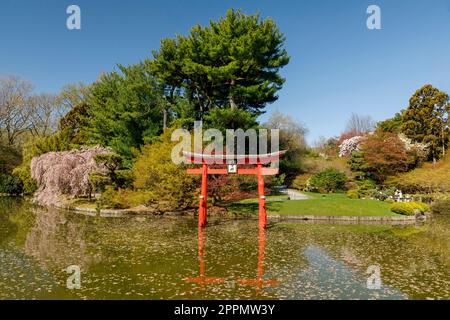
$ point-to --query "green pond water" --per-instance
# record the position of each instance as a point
(168, 258)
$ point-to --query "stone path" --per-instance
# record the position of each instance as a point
(296, 195)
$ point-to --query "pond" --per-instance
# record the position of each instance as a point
(168, 258)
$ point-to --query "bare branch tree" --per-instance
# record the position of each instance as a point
(47, 110)
(73, 95)
(360, 125)
(292, 133)
(14, 108)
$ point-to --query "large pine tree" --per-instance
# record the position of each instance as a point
(426, 120)
(233, 62)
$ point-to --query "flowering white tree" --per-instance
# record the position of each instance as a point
(421, 149)
(349, 146)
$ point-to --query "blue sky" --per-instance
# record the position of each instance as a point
(337, 65)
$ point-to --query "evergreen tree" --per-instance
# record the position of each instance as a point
(125, 109)
(392, 124)
(234, 62)
(426, 119)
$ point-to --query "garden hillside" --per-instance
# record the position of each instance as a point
(429, 178)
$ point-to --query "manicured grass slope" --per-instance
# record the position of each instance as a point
(321, 205)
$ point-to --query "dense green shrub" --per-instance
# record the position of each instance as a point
(278, 180)
(329, 180)
(10, 184)
(99, 181)
(155, 171)
(423, 207)
(353, 194)
(9, 159)
(402, 208)
(123, 198)
(366, 187)
(409, 208)
(301, 182)
(116, 172)
(24, 174)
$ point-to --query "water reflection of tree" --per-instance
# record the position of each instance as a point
(7, 228)
(7, 207)
(57, 241)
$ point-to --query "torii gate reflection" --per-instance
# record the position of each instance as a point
(202, 278)
(258, 282)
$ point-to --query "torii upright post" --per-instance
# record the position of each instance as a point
(203, 193)
(261, 197)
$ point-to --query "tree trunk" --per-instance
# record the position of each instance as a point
(231, 100)
(164, 119)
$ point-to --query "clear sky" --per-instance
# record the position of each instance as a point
(337, 67)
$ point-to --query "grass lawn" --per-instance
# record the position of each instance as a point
(83, 203)
(281, 197)
(319, 205)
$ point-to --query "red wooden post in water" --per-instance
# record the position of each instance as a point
(259, 171)
(203, 194)
(203, 279)
(259, 281)
(261, 197)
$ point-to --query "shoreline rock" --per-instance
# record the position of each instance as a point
(353, 219)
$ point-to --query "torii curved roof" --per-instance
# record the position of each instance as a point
(240, 159)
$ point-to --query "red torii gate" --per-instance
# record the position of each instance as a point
(259, 171)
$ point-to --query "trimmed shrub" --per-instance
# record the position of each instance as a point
(409, 208)
(329, 180)
(353, 194)
(423, 207)
(402, 208)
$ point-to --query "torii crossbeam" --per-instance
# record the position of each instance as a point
(259, 171)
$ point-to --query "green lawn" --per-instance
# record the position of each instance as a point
(281, 197)
(319, 205)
